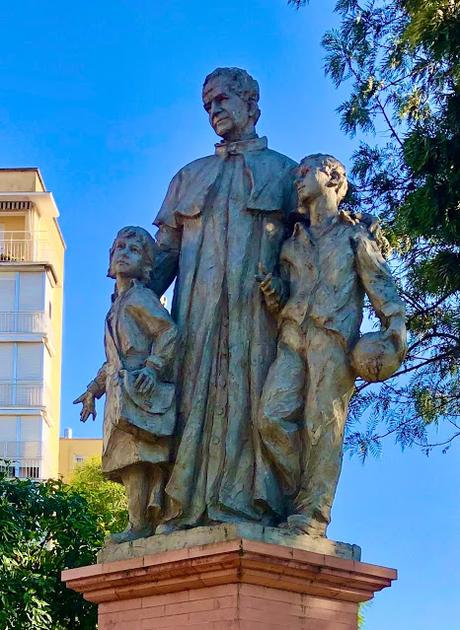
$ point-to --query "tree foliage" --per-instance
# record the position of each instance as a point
(105, 498)
(401, 62)
(47, 527)
(44, 529)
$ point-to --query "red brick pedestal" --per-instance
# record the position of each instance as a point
(237, 585)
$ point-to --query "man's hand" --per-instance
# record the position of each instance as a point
(271, 288)
(146, 381)
(89, 406)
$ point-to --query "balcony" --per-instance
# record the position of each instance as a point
(17, 246)
(26, 247)
(14, 450)
(26, 322)
(21, 459)
(23, 394)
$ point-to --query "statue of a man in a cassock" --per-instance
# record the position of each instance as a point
(223, 218)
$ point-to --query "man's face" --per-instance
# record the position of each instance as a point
(127, 258)
(228, 113)
(311, 180)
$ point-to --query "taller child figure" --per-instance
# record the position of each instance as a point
(222, 216)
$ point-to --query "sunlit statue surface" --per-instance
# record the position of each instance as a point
(137, 379)
(222, 216)
(232, 409)
(327, 266)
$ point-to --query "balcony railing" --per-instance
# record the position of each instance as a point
(23, 394)
(21, 459)
(26, 322)
(14, 450)
(22, 468)
(17, 246)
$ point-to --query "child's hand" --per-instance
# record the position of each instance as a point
(146, 381)
(270, 287)
(89, 406)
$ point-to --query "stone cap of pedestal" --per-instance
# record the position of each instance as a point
(226, 532)
(239, 561)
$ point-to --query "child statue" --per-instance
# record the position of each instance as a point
(137, 378)
(326, 267)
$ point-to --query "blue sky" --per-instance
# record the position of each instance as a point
(104, 97)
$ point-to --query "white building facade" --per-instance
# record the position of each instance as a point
(31, 284)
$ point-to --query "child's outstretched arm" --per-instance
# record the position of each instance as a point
(95, 389)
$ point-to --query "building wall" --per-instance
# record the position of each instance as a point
(54, 306)
(31, 297)
(21, 180)
(75, 451)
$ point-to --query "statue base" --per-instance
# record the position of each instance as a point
(225, 532)
(234, 584)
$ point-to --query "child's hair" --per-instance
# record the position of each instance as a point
(148, 250)
(334, 168)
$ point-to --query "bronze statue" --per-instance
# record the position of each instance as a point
(137, 378)
(327, 266)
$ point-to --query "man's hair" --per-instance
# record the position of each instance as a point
(333, 167)
(239, 81)
(148, 245)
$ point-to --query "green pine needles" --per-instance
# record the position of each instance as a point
(400, 60)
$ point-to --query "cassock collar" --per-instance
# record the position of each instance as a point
(223, 149)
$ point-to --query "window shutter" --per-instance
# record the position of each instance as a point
(6, 361)
(31, 430)
(31, 296)
(30, 362)
(8, 431)
(7, 291)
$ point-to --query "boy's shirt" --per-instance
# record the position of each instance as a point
(329, 268)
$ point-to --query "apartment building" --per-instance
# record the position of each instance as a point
(74, 452)
(31, 292)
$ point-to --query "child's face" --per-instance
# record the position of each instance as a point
(127, 258)
(311, 181)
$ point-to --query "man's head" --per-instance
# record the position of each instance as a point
(132, 254)
(230, 96)
(320, 175)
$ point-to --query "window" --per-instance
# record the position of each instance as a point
(8, 431)
(6, 361)
(30, 472)
(31, 291)
(7, 290)
(79, 459)
(30, 362)
(31, 429)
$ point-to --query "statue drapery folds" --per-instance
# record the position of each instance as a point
(233, 407)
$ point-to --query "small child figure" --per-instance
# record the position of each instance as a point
(137, 378)
(326, 266)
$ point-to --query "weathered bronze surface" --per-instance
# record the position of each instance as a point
(232, 409)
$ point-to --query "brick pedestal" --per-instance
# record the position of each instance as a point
(237, 585)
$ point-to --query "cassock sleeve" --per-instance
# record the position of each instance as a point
(376, 278)
(168, 238)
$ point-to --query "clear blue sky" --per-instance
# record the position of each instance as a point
(104, 97)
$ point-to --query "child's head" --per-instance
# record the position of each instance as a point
(132, 254)
(317, 175)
